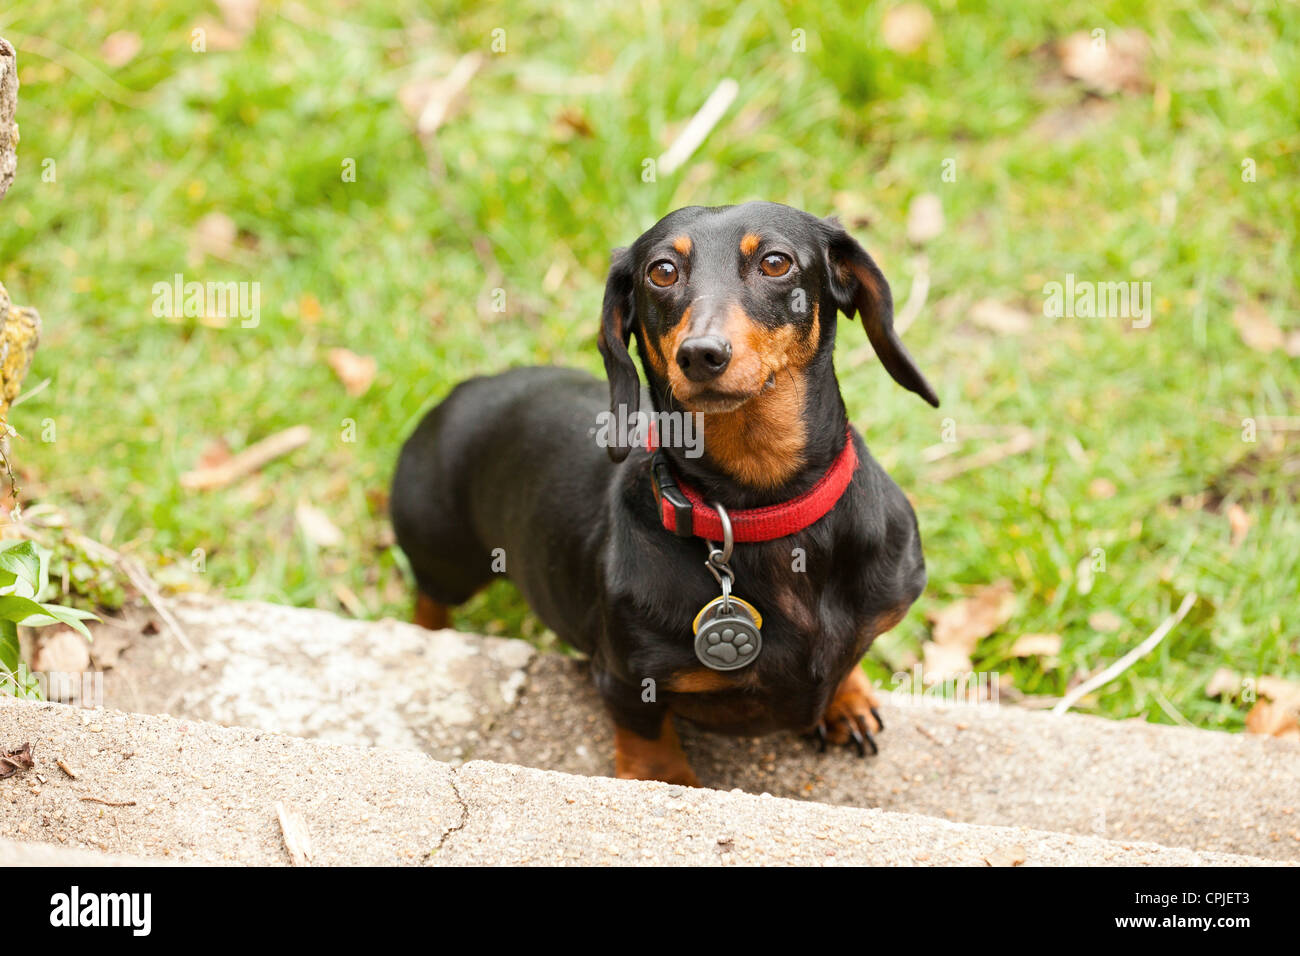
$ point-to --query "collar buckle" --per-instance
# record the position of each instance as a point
(666, 489)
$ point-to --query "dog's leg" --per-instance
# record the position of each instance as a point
(638, 758)
(852, 714)
(429, 613)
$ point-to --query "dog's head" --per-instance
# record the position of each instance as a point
(723, 300)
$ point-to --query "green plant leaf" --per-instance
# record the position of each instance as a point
(21, 610)
(9, 649)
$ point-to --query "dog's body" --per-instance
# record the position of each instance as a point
(509, 462)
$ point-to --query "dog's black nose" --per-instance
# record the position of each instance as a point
(703, 357)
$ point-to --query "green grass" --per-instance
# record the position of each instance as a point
(1152, 190)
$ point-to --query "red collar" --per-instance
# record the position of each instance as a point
(685, 513)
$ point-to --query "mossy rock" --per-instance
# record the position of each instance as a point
(20, 331)
(8, 106)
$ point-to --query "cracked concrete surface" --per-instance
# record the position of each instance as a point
(174, 790)
(460, 697)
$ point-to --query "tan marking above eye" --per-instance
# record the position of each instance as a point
(663, 273)
(683, 245)
(749, 243)
(775, 264)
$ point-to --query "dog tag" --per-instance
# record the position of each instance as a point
(727, 639)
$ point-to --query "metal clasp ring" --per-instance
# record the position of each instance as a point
(718, 562)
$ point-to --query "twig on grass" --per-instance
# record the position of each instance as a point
(916, 295)
(144, 584)
(1017, 444)
(692, 137)
(1127, 661)
(251, 459)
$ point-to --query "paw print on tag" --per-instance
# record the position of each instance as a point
(727, 642)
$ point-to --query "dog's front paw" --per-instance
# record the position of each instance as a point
(852, 715)
(637, 758)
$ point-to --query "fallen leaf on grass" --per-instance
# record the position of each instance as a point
(356, 372)
(1223, 681)
(1108, 622)
(16, 760)
(1239, 523)
(1106, 62)
(571, 122)
(1001, 318)
(240, 15)
(218, 37)
(120, 48)
(906, 27)
(1276, 712)
(940, 663)
(1101, 489)
(1273, 719)
(964, 623)
(924, 218)
(1281, 690)
(1256, 328)
(1035, 645)
(215, 453)
(961, 625)
(214, 235)
(316, 525)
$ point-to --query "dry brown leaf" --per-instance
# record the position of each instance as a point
(1239, 523)
(61, 652)
(215, 453)
(1107, 62)
(924, 218)
(1256, 328)
(1272, 719)
(214, 235)
(120, 48)
(571, 122)
(1107, 622)
(15, 761)
(964, 623)
(1281, 690)
(1034, 645)
(1279, 714)
(108, 647)
(317, 527)
(940, 663)
(1101, 488)
(240, 15)
(906, 27)
(1001, 318)
(1223, 681)
(356, 372)
(218, 37)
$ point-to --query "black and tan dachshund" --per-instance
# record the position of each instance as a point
(733, 310)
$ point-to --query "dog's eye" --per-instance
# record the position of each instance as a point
(775, 264)
(663, 273)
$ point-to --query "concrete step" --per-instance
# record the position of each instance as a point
(162, 788)
(458, 697)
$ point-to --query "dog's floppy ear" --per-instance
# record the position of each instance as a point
(616, 319)
(856, 284)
